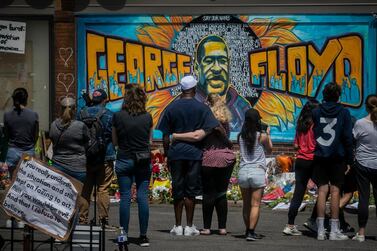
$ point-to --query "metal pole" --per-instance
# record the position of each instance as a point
(26, 239)
(11, 233)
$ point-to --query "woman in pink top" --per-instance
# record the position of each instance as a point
(305, 145)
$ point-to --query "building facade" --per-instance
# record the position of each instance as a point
(270, 55)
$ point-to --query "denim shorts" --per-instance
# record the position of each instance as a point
(252, 176)
(13, 157)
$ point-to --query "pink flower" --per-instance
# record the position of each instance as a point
(233, 180)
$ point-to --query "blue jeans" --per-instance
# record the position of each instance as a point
(128, 172)
(14, 155)
(81, 176)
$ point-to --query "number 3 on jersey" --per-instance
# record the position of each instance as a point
(328, 129)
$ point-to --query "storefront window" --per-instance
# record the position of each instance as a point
(30, 70)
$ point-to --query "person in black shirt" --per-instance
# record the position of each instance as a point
(185, 114)
(215, 180)
(131, 132)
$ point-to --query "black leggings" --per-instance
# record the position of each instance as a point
(364, 177)
(215, 184)
(303, 172)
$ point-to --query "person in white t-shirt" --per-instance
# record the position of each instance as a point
(365, 134)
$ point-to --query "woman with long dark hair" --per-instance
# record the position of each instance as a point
(365, 134)
(132, 134)
(304, 143)
(21, 127)
(69, 139)
(254, 139)
(215, 180)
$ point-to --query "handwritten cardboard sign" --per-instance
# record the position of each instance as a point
(12, 36)
(43, 197)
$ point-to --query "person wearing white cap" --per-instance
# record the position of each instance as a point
(185, 114)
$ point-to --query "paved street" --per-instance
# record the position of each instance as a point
(271, 224)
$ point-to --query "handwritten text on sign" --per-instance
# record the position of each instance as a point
(12, 36)
(42, 197)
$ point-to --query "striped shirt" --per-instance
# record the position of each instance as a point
(256, 157)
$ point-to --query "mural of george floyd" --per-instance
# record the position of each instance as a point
(272, 63)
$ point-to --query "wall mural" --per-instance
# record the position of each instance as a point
(271, 63)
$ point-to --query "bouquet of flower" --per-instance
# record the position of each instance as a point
(162, 194)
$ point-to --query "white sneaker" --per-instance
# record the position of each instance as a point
(321, 236)
(176, 230)
(291, 230)
(191, 231)
(338, 236)
(360, 238)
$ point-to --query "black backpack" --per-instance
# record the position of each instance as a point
(96, 148)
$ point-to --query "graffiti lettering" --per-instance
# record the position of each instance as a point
(113, 62)
(306, 68)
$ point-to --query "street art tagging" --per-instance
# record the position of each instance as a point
(273, 64)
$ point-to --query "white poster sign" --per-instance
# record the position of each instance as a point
(12, 36)
(43, 198)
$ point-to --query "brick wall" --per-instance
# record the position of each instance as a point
(278, 148)
(65, 58)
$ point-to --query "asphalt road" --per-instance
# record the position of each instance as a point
(270, 225)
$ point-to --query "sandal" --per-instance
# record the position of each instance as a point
(222, 231)
(205, 231)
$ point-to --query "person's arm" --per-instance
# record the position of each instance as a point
(347, 138)
(265, 140)
(36, 133)
(114, 136)
(194, 136)
(166, 143)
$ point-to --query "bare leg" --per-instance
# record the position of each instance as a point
(190, 207)
(256, 197)
(178, 208)
(246, 197)
(321, 200)
(335, 197)
(345, 199)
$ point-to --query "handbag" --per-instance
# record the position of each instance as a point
(142, 156)
(219, 158)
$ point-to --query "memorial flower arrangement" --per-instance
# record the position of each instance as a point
(161, 179)
(234, 191)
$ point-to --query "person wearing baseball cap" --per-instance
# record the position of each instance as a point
(99, 96)
(185, 114)
(100, 171)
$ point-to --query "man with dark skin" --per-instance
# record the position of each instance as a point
(185, 114)
(212, 68)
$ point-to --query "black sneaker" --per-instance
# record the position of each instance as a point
(252, 236)
(144, 241)
(346, 228)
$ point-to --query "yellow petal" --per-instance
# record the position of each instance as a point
(284, 23)
(268, 41)
(156, 103)
(260, 26)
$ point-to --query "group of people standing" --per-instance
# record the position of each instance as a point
(200, 161)
(336, 153)
(200, 157)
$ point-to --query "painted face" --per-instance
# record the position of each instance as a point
(213, 68)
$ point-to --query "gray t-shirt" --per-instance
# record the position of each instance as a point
(69, 150)
(21, 128)
(255, 158)
(365, 134)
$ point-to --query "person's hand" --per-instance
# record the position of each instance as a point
(348, 169)
(268, 130)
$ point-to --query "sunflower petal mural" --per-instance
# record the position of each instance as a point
(271, 63)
